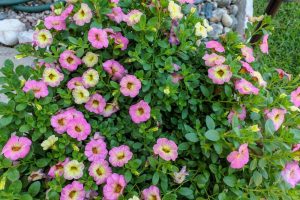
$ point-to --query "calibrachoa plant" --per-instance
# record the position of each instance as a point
(130, 100)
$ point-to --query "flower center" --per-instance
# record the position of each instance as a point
(16, 147)
(72, 194)
(61, 121)
(166, 149)
(74, 168)
(118, 188)
(36, 90)
(129, 85)
(70, 60)
(95, 150)
(78, 128)
(100, 171)
(140, 111)
(152, 197)
(43, 37)
(120, 155)
(220, 73)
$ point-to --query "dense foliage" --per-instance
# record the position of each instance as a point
(128, 101)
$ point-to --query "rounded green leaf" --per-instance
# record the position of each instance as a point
(34, 188)
(13, 174)
(212, 135)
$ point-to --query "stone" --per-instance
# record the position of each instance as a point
(217, 30)
(217, 15)
(227, 20)
(233, 9)
(3, 15)
(198, 1)
(226, 29)
(223, 3)
(208, 10)
(25, 36)
(9, 30)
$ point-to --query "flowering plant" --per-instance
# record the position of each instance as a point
(128, 101)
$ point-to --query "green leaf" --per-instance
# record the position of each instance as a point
(16, 186)
(170, 197)
(269, 127)
(13, 174)
(230, 180)
(24, 128)
(212, 135)
(185, 191)
(21, 106)
(192, 137)
(152, 162)
(42, 162)
(4, 121)
(26, 197)
(257, 178)
(34, 188)
(210, 123)
(155, 178)
(128, 176)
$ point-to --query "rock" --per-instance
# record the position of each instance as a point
(227, 20)
(217, 30)
(208, 10)
(3, 15)
(226, 29)
(9, 30)
(217, 15)
(223, 3)
(26, 36)
(198, 1)
(234, 22)
(233, 9)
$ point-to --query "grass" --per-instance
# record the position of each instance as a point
(284, 43)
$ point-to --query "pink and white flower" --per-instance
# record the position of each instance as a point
(114, 186)
(116, 15)
(58, 169)
(241, 114)
(238, 159)
(114, 68)
(69, 60)
(83, 15)
(220, 74)
(151, 193)
(264, 45)
(74, 191)
(130, 86)
(133, 17)
(217, 46)
(110, 109)
(98, 38)
(247, 52)
(16, 147)
(213, 59)
(140, 112)
(42, 38)
(282, 73)
(39, 88)
(100, 171)
(246, 67)
(295, 97)
(166, 149)
(55, 22)
(245, 87)
(291, 173)
(277, 116)
(74, 82)
(52, 77)
(120, 40)
(96, 104)
(119, 156)
(95, 150)
(90, 78)
(78, 128)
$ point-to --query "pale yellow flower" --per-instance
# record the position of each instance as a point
(73, 170)
(80, 94)
(200, 30)
(47, 144)
(175, 10)
(90, 59)
(134, 198)
(254, 128)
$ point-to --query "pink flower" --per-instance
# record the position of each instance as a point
(120, 40)
(67, 11)
(277, 117)
(58, 169)
(130, 86)
(110, 109)
(217, 46)
(114, 1)
(247, 52)
(151, 193)
(74, 82)
(186, 1)
(98, 38)
(119, 156)
(78, 128)
(282, 73)
(133, 17)
(74, 191)
(264, 45)
(39, 88)
(96, 104)
(100, 171)
(176, 67)
(240, 114)
(69, 60)
(245, 87)
(83, 15)
(238, 159)
(117, 15)
(56, 22)
(52, 77)
(258, 77)
(114, 187)
(213, 59)
(220, 74)
(179, 177)
(176, 77)
(247, 67)
(95, 150)
(296, 147)
(42, 38)
(74, 113)
(114, 68)
(59, 122)
(166, 149)
(16, 147)
(291, 173)
(140, 112)
(295, 97)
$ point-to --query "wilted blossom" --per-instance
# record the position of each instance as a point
(264, 45)
(240, 114)
(247, 52)
(116, 14)
(291, 173)
(282, 73)
(36, 175)
(179, 177)
(238, 159)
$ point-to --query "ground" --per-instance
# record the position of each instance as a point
(284, 43)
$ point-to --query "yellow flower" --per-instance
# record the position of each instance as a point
(90, 78)
(207, 26)
(75, 148)
(254, 128)
(255, 110)
(80, 94)
(2, 183)
(294, 109)
(73, 170)
(46, 144)
(175, 10)
(282, 95)
(200, 30)
(167, 90)
(193, 10)
(90, 59)
(134, 198)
